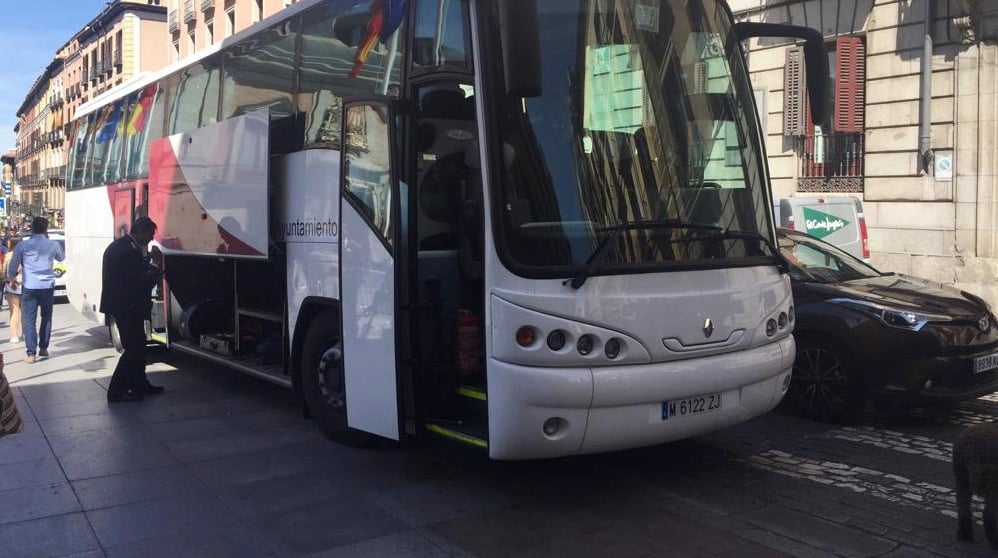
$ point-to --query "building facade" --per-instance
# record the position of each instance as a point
(122, 41)
(197, 24)
(913, 132)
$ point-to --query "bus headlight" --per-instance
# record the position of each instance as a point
(584, 345)
(556, 340)
(612, 349)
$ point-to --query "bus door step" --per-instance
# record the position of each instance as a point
(469, 433)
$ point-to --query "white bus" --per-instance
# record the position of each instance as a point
(538, 228)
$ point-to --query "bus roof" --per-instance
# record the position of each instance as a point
(143, 79)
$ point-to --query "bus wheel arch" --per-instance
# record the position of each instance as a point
(322, 378)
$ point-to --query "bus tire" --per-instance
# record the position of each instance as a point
(323, 381)
(112, 327)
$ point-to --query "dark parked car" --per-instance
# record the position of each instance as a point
(898, 339)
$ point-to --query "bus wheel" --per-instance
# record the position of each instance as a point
(322, 381)
(115, 335)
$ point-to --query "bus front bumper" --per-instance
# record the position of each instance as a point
(537, 412)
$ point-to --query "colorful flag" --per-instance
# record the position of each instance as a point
(386, 16)
(140, 112)
(111, 124)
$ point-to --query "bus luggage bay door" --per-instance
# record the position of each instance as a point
(367, 277)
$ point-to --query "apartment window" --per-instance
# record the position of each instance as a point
(258, 10)
(176, 49)
(230, 22)
(210, 32)
(191, 44)
(832, 160)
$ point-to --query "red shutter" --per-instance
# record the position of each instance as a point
(794, 93)
(850, 84)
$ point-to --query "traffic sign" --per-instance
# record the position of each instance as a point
(3, 206)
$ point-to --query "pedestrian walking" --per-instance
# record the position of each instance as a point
(12, 294)
(128, 276)
(34, 257)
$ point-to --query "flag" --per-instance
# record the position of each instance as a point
(386, 16)
(394, 10)
(99, 122)
(140, 112)
(111, 124)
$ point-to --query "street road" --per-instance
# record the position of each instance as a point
(224, 464)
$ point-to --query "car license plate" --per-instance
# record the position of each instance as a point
(985, 363)
(691, 406)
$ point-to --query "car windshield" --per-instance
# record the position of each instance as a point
(644, 131)
(815, 261)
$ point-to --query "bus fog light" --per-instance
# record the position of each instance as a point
(612, 349)
(790, 313)
(771, 327)
(584, 345)
(783, 320)
(525, 336)
(556, 340)
(554, 426)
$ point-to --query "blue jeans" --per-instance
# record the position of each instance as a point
(33, 300)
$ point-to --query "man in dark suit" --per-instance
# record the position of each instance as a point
(128, 278)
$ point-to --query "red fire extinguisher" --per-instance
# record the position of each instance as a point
(469, 344)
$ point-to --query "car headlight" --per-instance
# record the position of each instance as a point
(894, 317)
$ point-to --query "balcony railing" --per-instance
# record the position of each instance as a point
(189, 13)
(174, 21)
(831, 163)
(117, 58)
(86, 74)
(207, 5)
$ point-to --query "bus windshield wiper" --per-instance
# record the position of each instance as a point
(594, 259)
(746, 235)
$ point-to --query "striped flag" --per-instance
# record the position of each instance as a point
(386, 16)
(140, 112)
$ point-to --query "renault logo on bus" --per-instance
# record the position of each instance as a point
(708, 328)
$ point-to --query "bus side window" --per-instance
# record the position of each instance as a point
(257, 76)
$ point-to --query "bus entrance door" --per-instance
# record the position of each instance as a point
(367, 278)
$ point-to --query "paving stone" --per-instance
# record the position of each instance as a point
(33, 502)
(47, 537)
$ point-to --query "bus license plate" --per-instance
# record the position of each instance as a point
(691, 406)
(985, 363)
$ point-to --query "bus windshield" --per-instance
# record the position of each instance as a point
(646, 116)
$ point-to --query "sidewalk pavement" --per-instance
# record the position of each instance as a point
(219, 465)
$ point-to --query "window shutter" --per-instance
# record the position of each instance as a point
(794, 91)
(850, 84)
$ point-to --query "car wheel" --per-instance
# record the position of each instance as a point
(323, 381)
(826, 384)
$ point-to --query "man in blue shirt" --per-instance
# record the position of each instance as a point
(35, 257)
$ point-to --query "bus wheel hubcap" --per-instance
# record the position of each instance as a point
(330, 376)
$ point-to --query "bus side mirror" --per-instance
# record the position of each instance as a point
(815, 60)
(519, 33)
